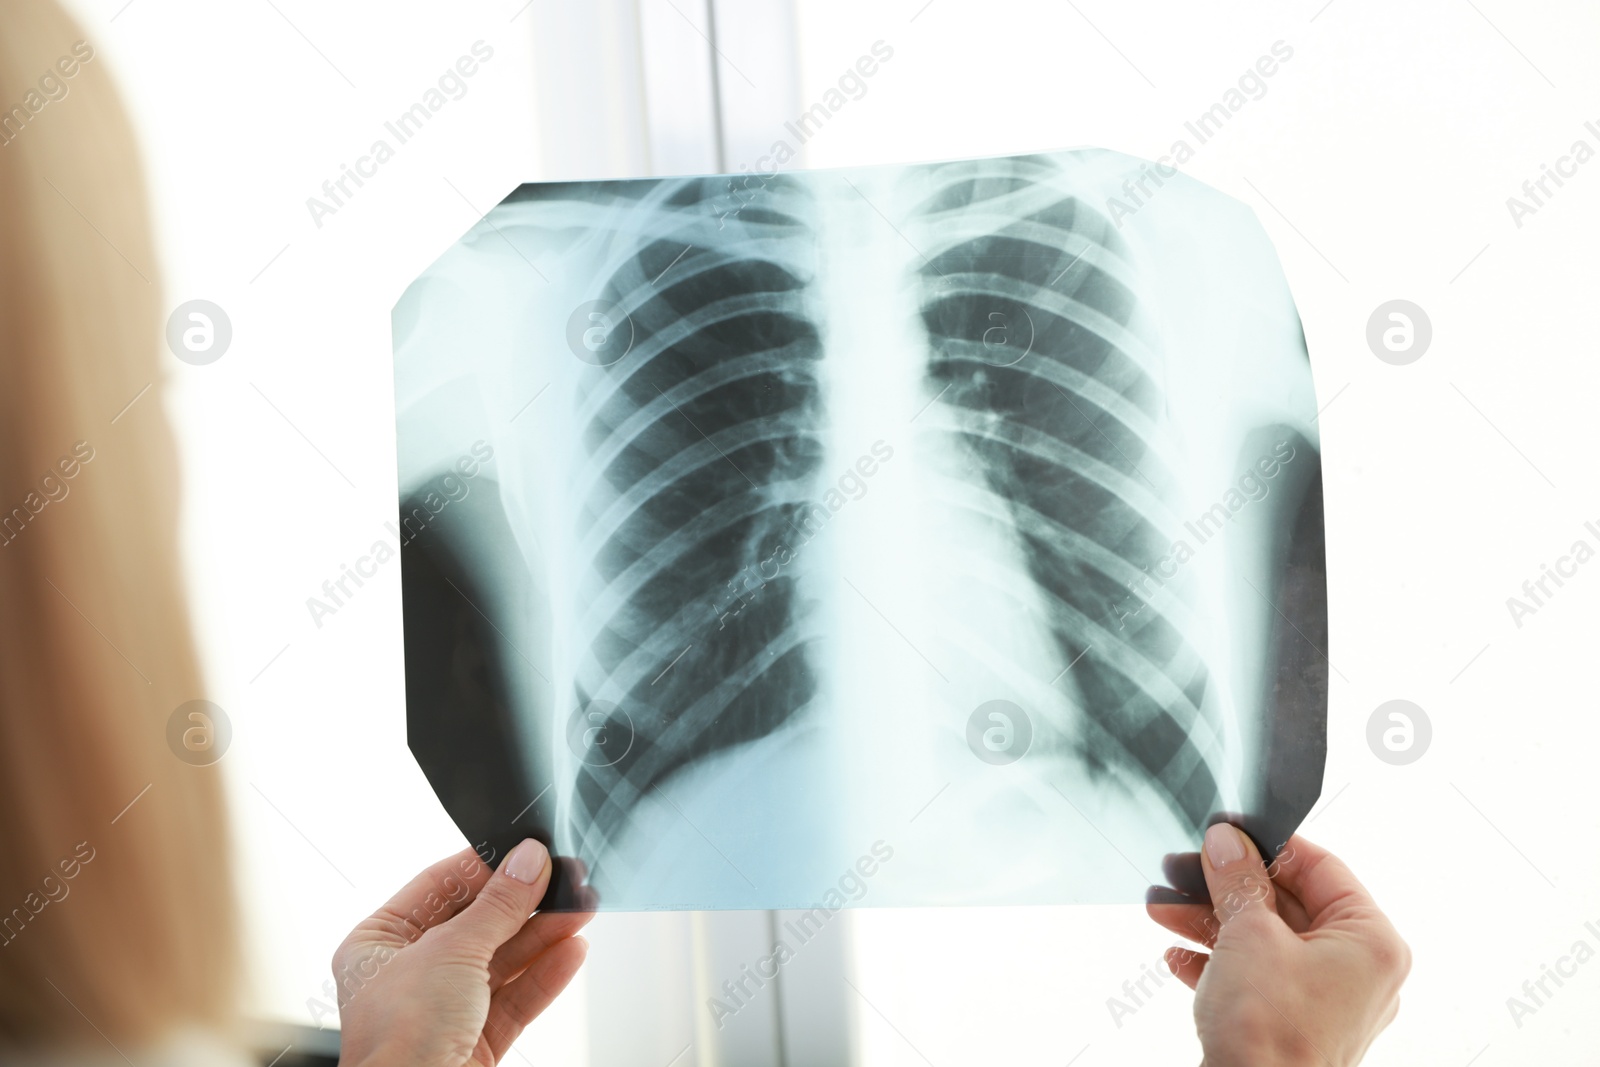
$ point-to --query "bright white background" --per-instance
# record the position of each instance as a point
(1379, 161)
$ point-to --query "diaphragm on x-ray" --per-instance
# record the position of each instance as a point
(906, 535)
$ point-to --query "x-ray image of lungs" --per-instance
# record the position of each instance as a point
(905, 535)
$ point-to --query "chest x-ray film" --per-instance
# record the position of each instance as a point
(904, 535)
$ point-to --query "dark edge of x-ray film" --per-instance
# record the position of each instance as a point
(1296, 754)
(457, 563)
(552, 692)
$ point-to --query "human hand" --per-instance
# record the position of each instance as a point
(1303, 969)
(450, 970)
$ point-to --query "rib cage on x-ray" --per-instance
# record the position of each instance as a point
(1061, 393)
(1069, 443)
(702, 447)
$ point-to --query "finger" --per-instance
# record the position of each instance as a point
(1320, 879)
(1187, 964)
(518, 1003)
(436, 894)
(570, 887)
(505, 902)
(537, 934)
(1194, 921)
(1186, 910)
(1235, 874)
(1291, 911)
(1160, 894)
(1183, 873)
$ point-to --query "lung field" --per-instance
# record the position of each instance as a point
(713, 443)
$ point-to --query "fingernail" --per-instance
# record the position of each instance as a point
(1224, 844)
(526, 861)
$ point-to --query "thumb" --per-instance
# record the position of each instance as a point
(1235, 875)
(506, 900)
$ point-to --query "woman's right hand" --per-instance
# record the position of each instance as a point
(452, 968)
(1303, 969)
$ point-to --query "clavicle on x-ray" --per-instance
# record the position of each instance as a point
(906, 535)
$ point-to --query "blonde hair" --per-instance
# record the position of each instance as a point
(116, 906)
